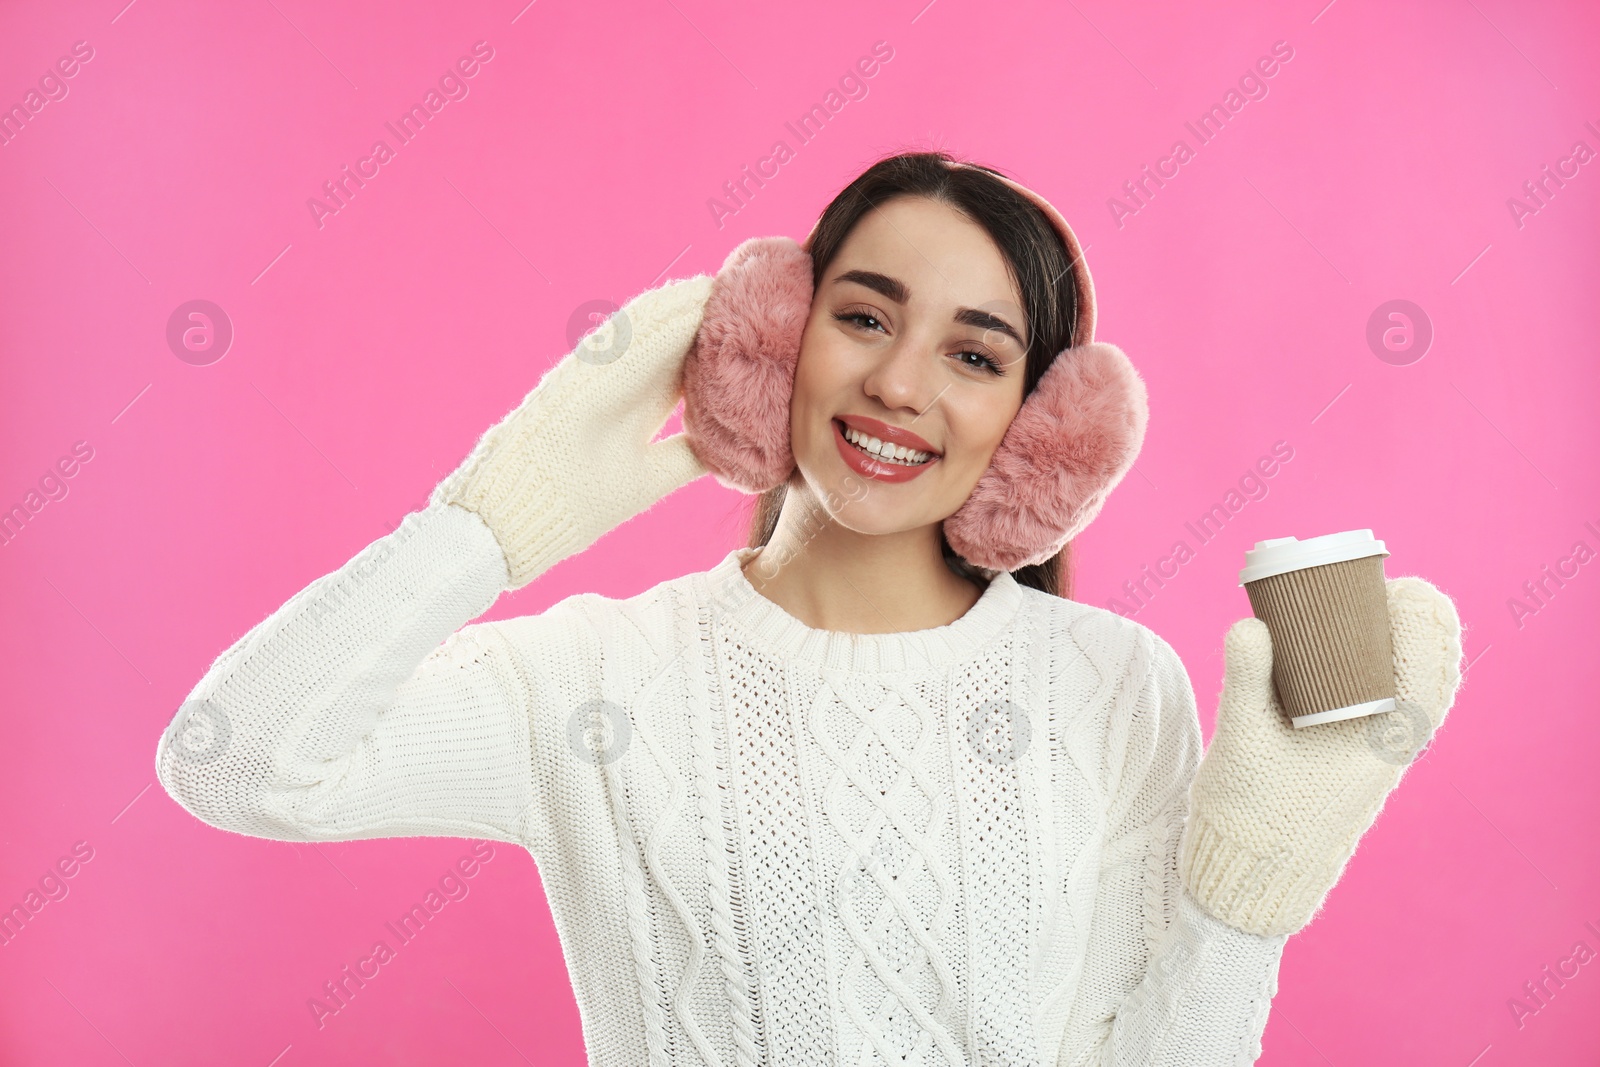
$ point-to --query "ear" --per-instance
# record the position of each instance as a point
(1075, 437)
(738, 376)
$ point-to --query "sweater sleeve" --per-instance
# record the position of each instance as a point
(1190, 989)
(342, 715)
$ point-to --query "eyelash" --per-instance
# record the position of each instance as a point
(989, 362)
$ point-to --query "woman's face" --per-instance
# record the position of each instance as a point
(916, 338)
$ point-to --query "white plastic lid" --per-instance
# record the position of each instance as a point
(1283, 554)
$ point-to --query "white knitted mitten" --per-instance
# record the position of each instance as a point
(575, 459)
(1276, 812)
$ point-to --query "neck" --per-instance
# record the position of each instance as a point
(834, 578)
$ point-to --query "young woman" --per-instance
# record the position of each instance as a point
(871, 790)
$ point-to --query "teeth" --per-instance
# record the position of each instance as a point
(888, 453)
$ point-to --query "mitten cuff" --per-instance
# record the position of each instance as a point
(1271, 892)
(535, 531)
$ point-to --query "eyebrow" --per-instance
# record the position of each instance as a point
(896, 290)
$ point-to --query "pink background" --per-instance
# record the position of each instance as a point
(371, 352)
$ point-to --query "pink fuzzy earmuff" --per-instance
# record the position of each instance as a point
(739, 374)
(1075, 437)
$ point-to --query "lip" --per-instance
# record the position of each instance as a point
(893, 435)
(864, 464)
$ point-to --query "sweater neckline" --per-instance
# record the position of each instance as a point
(773, 629)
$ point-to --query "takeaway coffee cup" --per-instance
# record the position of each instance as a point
(1325, 605)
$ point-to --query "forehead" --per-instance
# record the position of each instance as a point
(945, 258)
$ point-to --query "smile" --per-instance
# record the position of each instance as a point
(863, 446)
(908, 457)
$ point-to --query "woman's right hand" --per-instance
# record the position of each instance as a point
(575, 458)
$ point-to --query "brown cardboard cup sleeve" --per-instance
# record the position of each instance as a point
(1325, 604)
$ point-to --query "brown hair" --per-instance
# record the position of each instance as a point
(1035, 256)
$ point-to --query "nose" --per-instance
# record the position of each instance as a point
(903, 377)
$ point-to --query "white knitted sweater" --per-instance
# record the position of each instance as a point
(761, 843)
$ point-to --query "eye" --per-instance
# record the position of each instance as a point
(982, 361)
(857, 317)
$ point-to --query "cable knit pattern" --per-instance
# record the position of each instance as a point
(761, 843)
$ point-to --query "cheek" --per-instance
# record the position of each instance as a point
(820, 377)
(977, 430)
(803, 405)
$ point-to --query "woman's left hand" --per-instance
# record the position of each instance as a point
(1275, 811)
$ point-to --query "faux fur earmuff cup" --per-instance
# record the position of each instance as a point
(738, 376)
(1075, 437)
